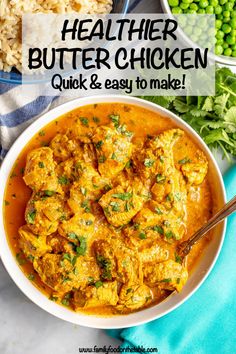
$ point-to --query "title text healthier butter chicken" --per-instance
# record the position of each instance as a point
(97, 203)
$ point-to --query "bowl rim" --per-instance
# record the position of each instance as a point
(8, 259)
(221, 59)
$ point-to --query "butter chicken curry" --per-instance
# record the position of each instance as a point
(97, 203)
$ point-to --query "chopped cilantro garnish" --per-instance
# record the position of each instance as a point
(178, 259)
(115, 206)
(158, 211)
(169, 234)
(160, 178)
(84, 121)
(115, 119)
(31, 276)
(142, 236)
(49, 193)
(159, 229)
(101, 159)
(41, 164)
(122, 196)
(99, 144)
(81, 249)
(31, 217)
(98, 283)
(148, 162)
(63, 180)
(184, 161)
(167, 280)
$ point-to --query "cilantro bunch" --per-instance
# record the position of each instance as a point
(213, 117)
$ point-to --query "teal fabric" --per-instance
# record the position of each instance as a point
(206, 323)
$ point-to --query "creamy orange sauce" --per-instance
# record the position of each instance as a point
(141, 122)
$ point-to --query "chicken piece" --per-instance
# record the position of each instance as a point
(150, 252)
(88, 188)
(82, 130)
(43, 214)
(167, 275)
(40, 170)
(120, 204)
(64, 272)
(117, 261)
(93, 296)
(59, 244)
(133, 297)
(195, 171)
(113, 149)
(63, 147)
(156, 156)
(171, 188)
(55, 272)
(78, 229)
(31, 244)
(167, 223)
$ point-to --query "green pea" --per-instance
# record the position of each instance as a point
(232, 23)
(222, 2)
(214, 2)
(233, 33)
(177, 10)
(188, 30)
(226, 13)
(233, 47)
(225, 45)
(226, 28)
(173, 3)
(183, 6)
(210, 9)
(193, 6)
(201, 11)
(234, 53)
(218, 10)
(197, 31)
(218, 49)
(218, 24)
(228, 52)
(220, 41)
(203, 4)
(220, 34)
(191, 11)
(230, 40)
(229, 6)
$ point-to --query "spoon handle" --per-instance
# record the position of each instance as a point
(229, 208)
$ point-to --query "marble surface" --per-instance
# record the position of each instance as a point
(25, 328)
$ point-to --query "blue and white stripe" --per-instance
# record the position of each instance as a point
(18, 110)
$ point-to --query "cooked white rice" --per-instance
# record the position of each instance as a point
(10, 22)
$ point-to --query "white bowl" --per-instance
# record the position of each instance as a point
(201, 271)
(221, 59)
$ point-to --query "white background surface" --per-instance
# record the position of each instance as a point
(25, 328)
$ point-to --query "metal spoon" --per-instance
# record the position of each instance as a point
(185, 247)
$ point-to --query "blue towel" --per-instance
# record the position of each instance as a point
(206, 323)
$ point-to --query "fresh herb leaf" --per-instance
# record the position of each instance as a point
(148, 162)
(98, 284)
(31, 217)
(81, 249)
(63, 180)
(84, 121)
(122, 196)
(184, 161)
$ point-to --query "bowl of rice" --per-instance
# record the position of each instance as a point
(11, 23)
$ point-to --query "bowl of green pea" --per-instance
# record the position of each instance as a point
(225, 23)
